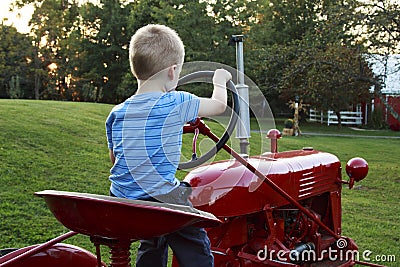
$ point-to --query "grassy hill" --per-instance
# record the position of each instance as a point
(62, 146)
(47, 145)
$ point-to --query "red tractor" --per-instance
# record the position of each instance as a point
(278, 208)
(275, 209)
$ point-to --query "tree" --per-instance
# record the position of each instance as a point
(329, 79)
(272, 41)
(379, 24)
(15, 62)
(51, 25)
(308, 48)
(104, 48)
(87, 44)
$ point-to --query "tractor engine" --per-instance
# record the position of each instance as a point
(261, 227)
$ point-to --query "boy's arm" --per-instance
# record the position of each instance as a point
(112, 157)
(218, 101)
(109, 123)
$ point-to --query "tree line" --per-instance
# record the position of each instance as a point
(316, 50)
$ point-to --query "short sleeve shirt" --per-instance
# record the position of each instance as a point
(145, 134)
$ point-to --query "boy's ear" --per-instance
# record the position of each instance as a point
(171, 72)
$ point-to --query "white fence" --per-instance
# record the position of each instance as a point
(347, 117)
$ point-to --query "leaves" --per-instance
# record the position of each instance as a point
(15, 59)
(329, 79)
(289, 45)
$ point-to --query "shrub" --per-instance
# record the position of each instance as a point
(377, 119)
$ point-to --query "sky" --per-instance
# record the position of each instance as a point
(18, 19)
(21, 17)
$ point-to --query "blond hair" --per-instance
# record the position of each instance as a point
(154, 48)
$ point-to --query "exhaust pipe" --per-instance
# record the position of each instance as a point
(243, 124)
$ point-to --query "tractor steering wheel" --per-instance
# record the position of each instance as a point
(200, 124)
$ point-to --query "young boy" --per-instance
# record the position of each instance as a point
(145, 136)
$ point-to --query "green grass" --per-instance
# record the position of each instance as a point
(61, 146)
(47, 145)
(316, 127)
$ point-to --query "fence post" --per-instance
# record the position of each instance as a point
(329, 117)
(322, 117)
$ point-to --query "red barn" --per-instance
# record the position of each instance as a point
(388, 67)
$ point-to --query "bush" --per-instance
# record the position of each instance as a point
(377, 119)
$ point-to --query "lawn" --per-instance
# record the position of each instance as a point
(61, 146)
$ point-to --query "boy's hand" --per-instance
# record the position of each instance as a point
(217, 103)
(221, 77)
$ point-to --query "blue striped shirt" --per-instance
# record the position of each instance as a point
(145, 134)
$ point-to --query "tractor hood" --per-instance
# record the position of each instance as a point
(228, 188)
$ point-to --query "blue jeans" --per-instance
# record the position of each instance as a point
(190, 245)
